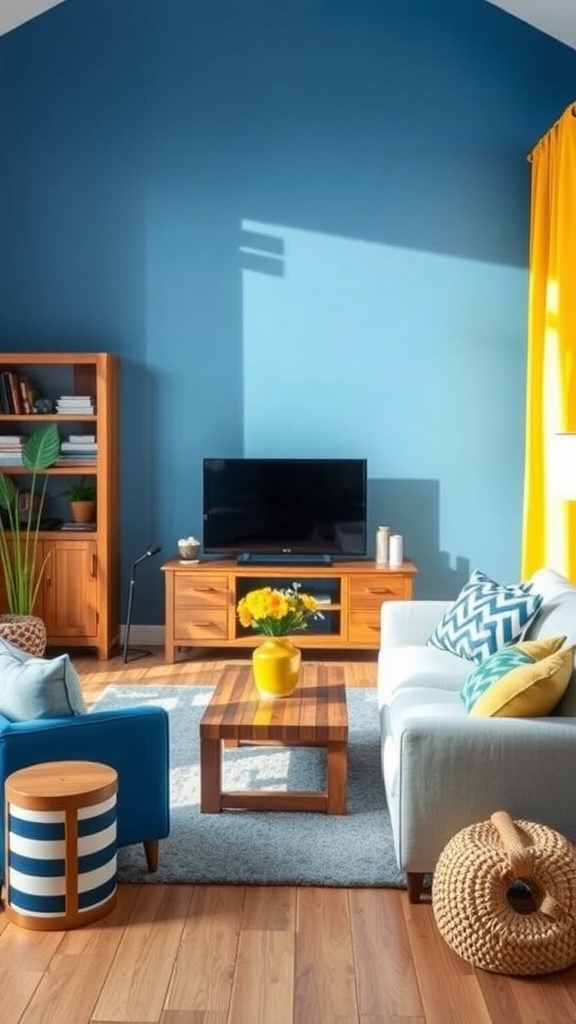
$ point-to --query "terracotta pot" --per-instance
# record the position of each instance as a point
(83, 511)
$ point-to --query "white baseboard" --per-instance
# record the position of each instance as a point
(147, 636)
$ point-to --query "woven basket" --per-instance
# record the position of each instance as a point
(470, 896)
(27, 632)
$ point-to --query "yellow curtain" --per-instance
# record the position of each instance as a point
(549, 526)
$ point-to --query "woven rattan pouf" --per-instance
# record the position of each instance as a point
(471, 889)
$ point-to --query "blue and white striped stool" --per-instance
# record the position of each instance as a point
(60, 844)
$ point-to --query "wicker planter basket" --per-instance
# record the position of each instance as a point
(28, 632)
(470, 896)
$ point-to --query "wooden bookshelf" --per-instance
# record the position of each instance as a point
(78, 599)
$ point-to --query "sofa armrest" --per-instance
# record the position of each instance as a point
(409, 622)
(133, 740)
(444, 772)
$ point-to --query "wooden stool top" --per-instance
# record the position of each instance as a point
(67, 783)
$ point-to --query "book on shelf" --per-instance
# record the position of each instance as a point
(16, 395)
(25, 395)
(18, 407)
(79, 404)
(6, 393)
(81, 439)
(79, 446)
(79, 527)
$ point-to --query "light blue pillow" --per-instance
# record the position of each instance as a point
(484, 617)
(32, 688)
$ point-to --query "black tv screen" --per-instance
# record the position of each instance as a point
(280, 509)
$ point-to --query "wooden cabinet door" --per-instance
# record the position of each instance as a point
(70, 590)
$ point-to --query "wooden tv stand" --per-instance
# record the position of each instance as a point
(201, 600)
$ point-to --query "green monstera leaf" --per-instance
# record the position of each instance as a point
(42, 449)
(8, 492)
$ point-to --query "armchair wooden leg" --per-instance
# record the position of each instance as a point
(414, 882)
(151, 851)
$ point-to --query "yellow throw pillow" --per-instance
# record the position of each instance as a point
(528, 691)
(502, 662)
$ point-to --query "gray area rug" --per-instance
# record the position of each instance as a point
(267, 847)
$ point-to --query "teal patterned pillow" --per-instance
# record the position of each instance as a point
(484, 617)
(504, 661)
(491, 671)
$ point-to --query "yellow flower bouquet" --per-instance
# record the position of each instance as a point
(277, 612)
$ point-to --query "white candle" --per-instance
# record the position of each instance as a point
(396, 550)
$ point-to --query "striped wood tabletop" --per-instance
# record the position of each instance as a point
(314, 715)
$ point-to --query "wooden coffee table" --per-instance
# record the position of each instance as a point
(314, 716)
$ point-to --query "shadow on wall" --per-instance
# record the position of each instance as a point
(412, 508)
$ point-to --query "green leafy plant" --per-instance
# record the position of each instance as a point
(81, 491)
(19, 540)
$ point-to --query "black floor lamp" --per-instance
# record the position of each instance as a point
(153, 549)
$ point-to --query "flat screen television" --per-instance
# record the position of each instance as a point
(284, 510)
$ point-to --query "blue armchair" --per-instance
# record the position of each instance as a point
(134, 741)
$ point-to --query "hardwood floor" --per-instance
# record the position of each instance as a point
(177, 954)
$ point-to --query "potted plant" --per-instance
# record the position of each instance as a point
(22, 569)
(82, 498)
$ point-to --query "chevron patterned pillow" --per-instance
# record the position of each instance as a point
(484, 617)
(504, 662)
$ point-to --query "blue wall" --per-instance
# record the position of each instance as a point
(304, 228)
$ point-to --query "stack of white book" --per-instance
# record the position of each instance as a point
(78, 405)
(11, 446)
(79, 448)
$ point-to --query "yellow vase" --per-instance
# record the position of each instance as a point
(276, 664)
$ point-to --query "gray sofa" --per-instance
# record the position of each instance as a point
(444, 769)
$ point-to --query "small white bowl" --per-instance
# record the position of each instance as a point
(188, 552)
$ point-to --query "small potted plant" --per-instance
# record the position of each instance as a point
(22, 568)
(82, 498)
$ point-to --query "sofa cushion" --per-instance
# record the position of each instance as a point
(416, 665)
(32, 688)
(484, 617)
(528, 691)
(558, 611)
(509, 658)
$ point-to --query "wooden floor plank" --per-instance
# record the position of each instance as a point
(17, 987)
(263, 988)
(204, 970)
(139, 977)
(385, 972)
(545, 998)
(325, 984)
(194, 1017)
(449, 988)
(269, 908)
(78, 970)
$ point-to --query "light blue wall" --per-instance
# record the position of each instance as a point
(304, 228)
